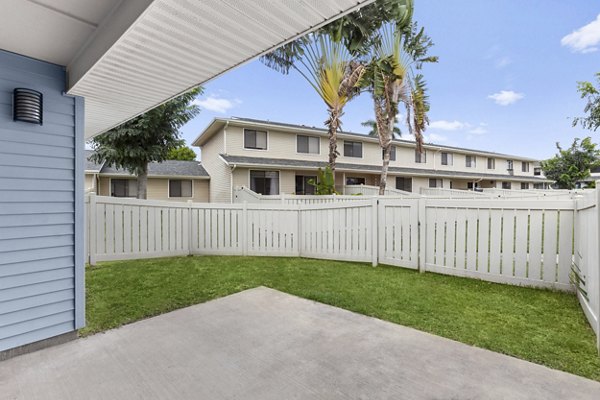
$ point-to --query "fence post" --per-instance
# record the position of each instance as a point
(282, 198)
(244, 235)
(597, 262)
(299, 230)
(189, 244)
(422, 236)
(374, 232)
(91, 229)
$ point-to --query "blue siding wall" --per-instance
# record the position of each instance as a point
(41, 270)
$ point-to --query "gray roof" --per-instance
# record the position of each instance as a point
(91, 166)
(287, 125)
(165, 168)
(276, 162)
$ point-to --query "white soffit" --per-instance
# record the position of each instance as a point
(177, 44)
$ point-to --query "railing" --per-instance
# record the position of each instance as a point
(452, 193)
(534, 242)
(368, 190)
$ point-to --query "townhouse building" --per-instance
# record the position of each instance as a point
(272, 158)
(171, 180)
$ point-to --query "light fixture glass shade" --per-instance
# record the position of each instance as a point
(28, 106)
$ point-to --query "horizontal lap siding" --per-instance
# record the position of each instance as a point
(37, 202)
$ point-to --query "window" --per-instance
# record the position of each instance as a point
(303, 186)
(436, 183)
(470, 161)
(509, 165)
(392, 153)
(524, 185)
(447, 159)
(539, 186)
(472, 185)
(524, 166)
(355, 181)
(123, 188)
(352, 149)
(506, 185)
(308, 144)
(264, 182)
(180, 188)
(256, 140)
(420, 158)
(537, 171)
(491, 163)
(403, 183)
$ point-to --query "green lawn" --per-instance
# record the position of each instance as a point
(542, 326)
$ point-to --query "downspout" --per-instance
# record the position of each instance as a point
(233, 167)
(225, 137)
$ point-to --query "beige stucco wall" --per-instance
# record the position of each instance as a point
(283, 145)
(158, 189)
(89, 181)
(220, 173)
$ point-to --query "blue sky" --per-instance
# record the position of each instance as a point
(505, 82)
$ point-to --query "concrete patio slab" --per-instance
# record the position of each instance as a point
(264, 344)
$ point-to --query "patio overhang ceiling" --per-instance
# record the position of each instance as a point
(128, 56)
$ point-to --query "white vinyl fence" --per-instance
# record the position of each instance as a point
(586, 264)
(533, 242)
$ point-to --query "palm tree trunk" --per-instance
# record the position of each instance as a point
(384, 169)
(333, 125)
(142, 183)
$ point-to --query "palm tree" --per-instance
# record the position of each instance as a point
(328, 67)
(390, 80)
(372, 125)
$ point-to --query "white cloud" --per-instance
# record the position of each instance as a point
(503, 62)
(216, 104)
(506, 97)
(447, 125)
(479, 130)
(584, 39)
(434, 138)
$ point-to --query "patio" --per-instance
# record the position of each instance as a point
(264, 344)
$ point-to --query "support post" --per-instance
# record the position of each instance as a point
(244, 233)
(282, 198)
(374, 232)
(91, 229)
(422, 224)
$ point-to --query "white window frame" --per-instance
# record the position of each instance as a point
(256, 130)
(309, 136)
(265, 170)
(493, 163)
(473, 163)
(110, 180)
(179, 179)
(523, 164)
(449, 158)
(362, 148)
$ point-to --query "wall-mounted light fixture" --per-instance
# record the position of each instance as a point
(28, 106)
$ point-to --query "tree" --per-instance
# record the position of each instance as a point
(572, 165)
(592, 108)
(182, 153)
(326, 57)
(372, 125)
(146, 138)
(358, 31)
(325, 183)
(328, 68)
(390, 79)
